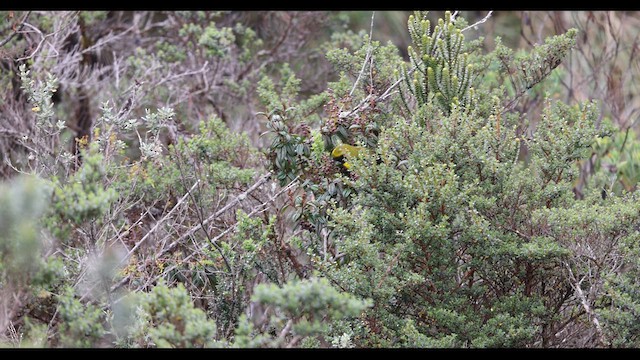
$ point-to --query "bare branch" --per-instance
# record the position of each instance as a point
(157, 225)
(217, 214)
(260, 208)
(481, 21)
(285, 331)
(202, 70)
(575, 284)
(191, 231)
(105, 40)
(366, 59)
(44, 38)
(22, 23)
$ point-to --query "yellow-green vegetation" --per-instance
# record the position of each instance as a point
(340, 152)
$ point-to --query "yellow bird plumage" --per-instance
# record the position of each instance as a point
(341, 150)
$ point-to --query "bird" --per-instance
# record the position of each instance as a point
(339, 152)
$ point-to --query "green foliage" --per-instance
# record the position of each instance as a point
(232, 266)
(39, 93)
(35, 336)
(290, 145)
(42, 158)
(443, 69)
(22, 202)
(448, 224)
(618, 157)
(214, 155)
(457, 204)
(413, 338)
(214, 40)
(415, 228)
(82, 324)
(216, 148)
(622, 310)
(27, 274)
(246, 335)
(424, 206)
(287, 149)
(84, 197)
(605, 233)
(173, 321)
(311, 304)
(525, 70)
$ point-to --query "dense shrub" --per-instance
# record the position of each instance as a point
(136, 212)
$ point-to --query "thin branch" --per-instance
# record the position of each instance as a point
(284, 332)
(200, 215)
(626, 135)
(105, 40)
(254, 212)
(202, 70)
(44, 38)
(15, 32)
(366, 59)
(217, 214)
(191, 231)
(260, 208)
(157, 225)
(481, 21)
(575, 284)
(365, 102)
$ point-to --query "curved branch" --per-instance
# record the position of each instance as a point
(24, 20)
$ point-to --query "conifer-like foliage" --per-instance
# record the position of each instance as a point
(440, 70)
(451, 225)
